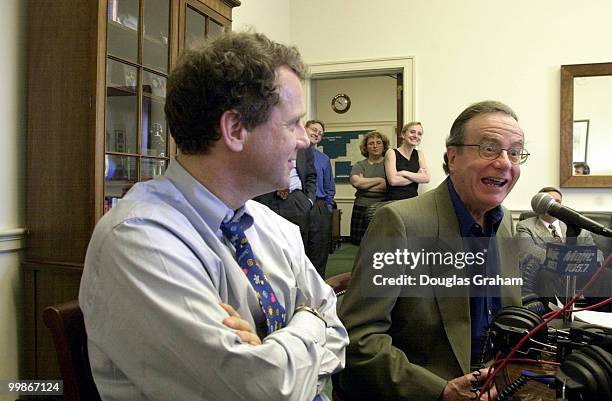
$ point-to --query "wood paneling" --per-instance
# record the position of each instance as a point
(61, 83)
(46, 285)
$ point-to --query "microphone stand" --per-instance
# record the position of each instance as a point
(571, 238)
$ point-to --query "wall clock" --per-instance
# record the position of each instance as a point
(341, 103)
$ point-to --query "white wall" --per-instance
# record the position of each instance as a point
(372, 99)
(12, 169)
(270, 17)
(467, 51)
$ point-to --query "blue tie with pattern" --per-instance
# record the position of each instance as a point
(273, 310)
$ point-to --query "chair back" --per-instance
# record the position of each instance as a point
(336, 236)
(68, 330)
(339, 282)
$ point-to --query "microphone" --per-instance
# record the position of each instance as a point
(542, 203)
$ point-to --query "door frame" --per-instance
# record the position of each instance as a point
(366, 67)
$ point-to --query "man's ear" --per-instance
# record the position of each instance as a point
(451, 154)
(233, 133)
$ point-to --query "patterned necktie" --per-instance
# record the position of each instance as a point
(273, 310)
(554, 232)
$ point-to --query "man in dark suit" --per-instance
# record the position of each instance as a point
(294, 203)
(408, 346)
(534, 234)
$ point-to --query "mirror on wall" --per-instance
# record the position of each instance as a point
(586, 125)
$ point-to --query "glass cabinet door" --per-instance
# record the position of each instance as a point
(136, 133)
(122, 31)
(200, 24)
(156, 34)
(139, 45)
(154, 134)
(121, 107)
(214, 28)
(195, 28)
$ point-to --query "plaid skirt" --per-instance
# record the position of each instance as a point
(359, 223)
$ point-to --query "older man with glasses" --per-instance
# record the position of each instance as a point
(426, 342)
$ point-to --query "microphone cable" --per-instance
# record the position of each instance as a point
(513, 388)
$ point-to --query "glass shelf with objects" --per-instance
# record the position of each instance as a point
(138, 54)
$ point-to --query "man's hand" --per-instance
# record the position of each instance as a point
(459, 388)
(240, 326)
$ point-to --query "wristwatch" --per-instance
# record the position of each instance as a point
(311, 310)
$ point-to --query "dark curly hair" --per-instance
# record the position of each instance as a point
(363, 146)
(234, 71)
(457, 132)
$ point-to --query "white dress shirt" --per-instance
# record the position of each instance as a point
(294, 178)
(155, 272)
(555, 224)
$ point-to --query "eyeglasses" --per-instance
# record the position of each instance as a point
(314, 130)
(491, 151)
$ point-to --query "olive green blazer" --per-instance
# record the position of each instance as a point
(403, 347)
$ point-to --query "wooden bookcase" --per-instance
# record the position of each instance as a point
(96, 88)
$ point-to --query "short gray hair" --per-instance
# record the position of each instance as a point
(457, 132)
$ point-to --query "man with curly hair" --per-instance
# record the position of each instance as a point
(191, 291)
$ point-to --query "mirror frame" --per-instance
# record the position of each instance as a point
(566, 169)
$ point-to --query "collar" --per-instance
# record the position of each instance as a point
(212, 210)
(555, 224)
(467, 225)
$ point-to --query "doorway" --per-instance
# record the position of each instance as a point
(380, 96)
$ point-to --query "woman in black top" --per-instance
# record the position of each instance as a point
(405, 167)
